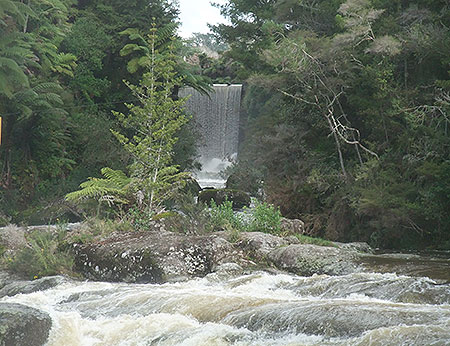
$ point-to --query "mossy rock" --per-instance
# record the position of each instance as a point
(239, 198)
(192, 187)
(23, 325)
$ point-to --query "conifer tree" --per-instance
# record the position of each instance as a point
(154, 121)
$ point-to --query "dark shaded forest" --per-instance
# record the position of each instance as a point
(346, 106)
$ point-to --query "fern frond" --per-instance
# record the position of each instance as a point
(47, 87)
(112, 188)
(166, 32)
(134, 35)
(117, 177)
(133, 65)
(131, 48)
(52, 98)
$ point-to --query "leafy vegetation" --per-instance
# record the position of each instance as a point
(347, 105)
(304, 239)
(346, 113)
(263, 217)
(43, 257)
(155, 121)
(61, 75)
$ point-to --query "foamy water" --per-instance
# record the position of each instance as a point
(254, 309)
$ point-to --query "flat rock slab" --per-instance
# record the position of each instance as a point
(153, 257)
(160, 256)
(22, 325)
(306, 259)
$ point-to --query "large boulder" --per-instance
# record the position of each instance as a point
(192, 187)
(12, 239)
(158, 256)
(239, 198)
(303, 259)
(306, 259)
(153, 256)
(21, 325)
(258, 245)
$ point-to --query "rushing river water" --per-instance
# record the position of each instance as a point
(253, 309)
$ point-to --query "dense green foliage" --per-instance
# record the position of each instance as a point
(348, 113)
(154, 122)
(62, 66)
(346, 101)
(45, 256)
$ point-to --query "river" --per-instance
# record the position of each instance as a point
(258, 308)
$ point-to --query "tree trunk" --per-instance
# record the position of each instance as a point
(338, 147)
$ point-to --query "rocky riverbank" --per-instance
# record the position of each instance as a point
(158, 255)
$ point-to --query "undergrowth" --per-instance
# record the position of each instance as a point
(44, 256)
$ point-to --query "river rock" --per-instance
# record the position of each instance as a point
(192, 187)
(258, 245)
(12, 238)
(360, 247)
(292, 226)
(153, 256)
(306, 259)
(21, 325)
(15, 286)
(160, 256)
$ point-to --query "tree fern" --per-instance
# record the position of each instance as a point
(113, 188)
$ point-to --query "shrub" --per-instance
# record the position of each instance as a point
(238, 199)
(223, 217)
(139, 219)
(189, 218)
(43, 257)
(265, 218)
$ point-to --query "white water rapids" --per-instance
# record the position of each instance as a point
(254, 309)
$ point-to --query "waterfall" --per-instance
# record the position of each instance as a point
(217, 119)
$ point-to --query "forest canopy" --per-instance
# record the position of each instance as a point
(345, 113)
(348, 114)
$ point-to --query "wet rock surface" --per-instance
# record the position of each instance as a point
(153, 256)
(331, 318)
(306, 259)
(160, 256)
(157, 255)
(293, 226)
(21, 325)
(12, 285)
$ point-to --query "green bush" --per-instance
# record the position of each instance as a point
(43, 257)
(223, 217)
(139, 219)
(265, 218)
(239, 199)
(189, 218)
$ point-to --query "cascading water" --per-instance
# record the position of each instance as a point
(217, 119)
(254, 309)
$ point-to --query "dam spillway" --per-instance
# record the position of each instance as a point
(216, 116)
